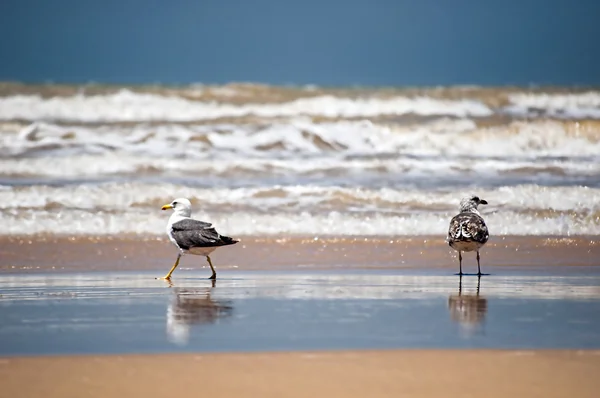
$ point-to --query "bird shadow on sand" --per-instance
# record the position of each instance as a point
(468, 309)
(193, 307)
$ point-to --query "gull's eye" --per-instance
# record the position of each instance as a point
(475, 198)
(174, 204)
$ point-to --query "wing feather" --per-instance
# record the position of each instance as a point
(468, 227)
(190, 233)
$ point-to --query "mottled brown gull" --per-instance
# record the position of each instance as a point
(467, 231)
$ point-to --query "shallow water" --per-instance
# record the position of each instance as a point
(133, 313)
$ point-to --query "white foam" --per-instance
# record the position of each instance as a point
(579, 106)
(295, 140)
(334, 223)
(122, 196)
(205, 171)
(127, 106)
(134, 208)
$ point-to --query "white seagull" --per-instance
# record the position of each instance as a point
(192, 236)
(467, 231)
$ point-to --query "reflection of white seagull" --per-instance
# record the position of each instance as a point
(193, 307)
(192, 236)
(467, 231)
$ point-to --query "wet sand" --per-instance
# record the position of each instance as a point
(83, 254)
(418, 373)
(259, 311)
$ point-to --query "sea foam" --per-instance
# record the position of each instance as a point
(134, 208)
(571, 105)
(127, 106)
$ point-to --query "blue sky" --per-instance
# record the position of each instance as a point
(335, 42)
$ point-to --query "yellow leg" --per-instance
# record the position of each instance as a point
(214, 273)
(168, 276)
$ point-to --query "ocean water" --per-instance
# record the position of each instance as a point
(258, 159)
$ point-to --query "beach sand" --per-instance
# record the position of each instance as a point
(385, 373)
(83, 254)
(405, 373)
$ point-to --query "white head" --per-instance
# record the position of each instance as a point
(470, 203)
(181, 207)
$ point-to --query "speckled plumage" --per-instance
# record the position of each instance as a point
(467, 231)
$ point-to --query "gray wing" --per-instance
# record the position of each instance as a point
(193, 233)
(189, 224)
(468, 227)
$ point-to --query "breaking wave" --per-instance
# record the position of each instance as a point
(272, 160)
(128, 106)
(306, 210)
(570, 105)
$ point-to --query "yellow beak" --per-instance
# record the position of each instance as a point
(166, 207)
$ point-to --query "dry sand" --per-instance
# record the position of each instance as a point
(406, 373)
(42, 254)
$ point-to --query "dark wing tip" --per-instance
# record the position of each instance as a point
(228, 240)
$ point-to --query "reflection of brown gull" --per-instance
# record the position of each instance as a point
(468, 309)
(193, 307)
